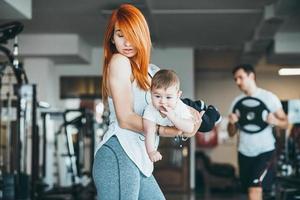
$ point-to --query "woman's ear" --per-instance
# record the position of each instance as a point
(112, 41)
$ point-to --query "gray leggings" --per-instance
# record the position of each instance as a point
(117, 178)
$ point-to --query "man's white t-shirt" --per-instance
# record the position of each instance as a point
(264, 141)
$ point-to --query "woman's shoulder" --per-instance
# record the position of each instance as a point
(119, 63)
(118, 58)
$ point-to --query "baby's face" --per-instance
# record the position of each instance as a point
(162, 97)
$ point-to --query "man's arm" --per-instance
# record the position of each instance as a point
(232, 127)
(278, 119)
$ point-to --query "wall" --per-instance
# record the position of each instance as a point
(181, 60)
(40, 71)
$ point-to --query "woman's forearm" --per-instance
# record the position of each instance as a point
(132, 121)
(166, 131)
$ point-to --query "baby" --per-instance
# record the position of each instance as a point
(166, 110)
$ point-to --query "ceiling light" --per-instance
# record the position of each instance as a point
(289, 71)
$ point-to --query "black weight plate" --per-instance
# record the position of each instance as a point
(252, 114)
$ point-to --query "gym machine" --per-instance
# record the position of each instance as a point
(288, 161)
(18, 130)
(72, 158)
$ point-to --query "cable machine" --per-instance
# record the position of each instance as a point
(18, 133)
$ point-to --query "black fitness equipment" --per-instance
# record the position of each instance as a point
(288, 165)
(19, 150)
(10, 30)
(252, 114)
(72, 157)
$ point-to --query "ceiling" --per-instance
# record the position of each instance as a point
(241, 28)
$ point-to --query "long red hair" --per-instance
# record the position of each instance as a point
(134, 26)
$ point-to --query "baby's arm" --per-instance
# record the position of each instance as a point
(186, 125)
(150, 134)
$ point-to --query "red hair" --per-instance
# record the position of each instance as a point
(134, 26)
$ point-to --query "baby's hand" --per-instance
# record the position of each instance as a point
(169, 112)
(155, 156)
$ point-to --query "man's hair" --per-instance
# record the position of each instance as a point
(164, 79)
(246, 67)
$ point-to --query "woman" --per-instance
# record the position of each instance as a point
(122, 169)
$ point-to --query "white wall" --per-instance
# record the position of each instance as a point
(41, 71)
(182, 61)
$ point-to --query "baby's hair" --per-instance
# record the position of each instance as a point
(165, 78)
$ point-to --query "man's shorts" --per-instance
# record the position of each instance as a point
(252, 170)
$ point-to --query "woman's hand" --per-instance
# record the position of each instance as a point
(165, 131)
(197, 119)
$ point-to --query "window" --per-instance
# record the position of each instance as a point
(83, 87)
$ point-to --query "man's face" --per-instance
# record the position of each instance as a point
(243, 80)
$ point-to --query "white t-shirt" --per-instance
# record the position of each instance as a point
(152, 114)
(264, 141)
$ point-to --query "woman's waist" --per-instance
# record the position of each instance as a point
(115, 128)
(123, 135)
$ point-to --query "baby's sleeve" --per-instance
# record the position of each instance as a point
(149, 113)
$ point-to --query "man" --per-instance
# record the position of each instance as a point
(256, 151)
